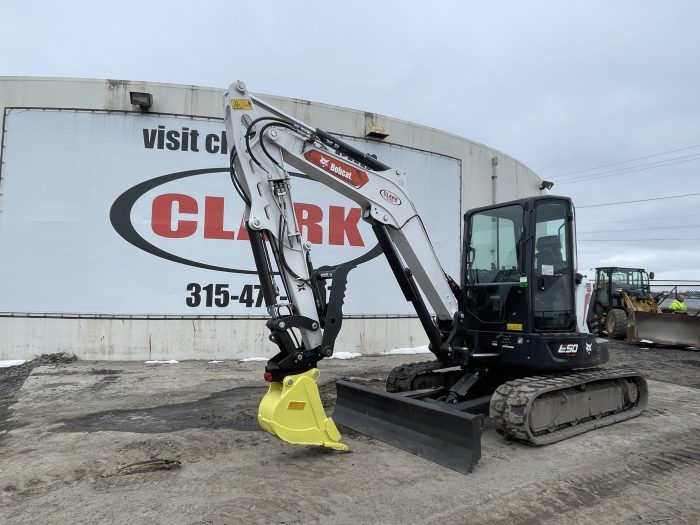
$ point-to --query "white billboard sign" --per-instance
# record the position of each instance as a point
(135, 214)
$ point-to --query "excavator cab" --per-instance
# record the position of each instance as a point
(519, 285)
(520, 255)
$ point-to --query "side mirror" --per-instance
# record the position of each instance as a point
(651, 275)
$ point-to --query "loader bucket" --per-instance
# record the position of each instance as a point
(292, 411)
(664, 329)
(430, 430)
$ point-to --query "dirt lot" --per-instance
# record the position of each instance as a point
(70, 435)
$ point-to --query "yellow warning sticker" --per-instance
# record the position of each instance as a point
(296, 405)
(244, 104)
(515, 326)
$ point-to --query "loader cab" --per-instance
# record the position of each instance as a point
(519, 266)
(610, 282)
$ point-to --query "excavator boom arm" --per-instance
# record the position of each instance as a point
(261, 147)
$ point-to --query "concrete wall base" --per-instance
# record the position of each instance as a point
(182, 339)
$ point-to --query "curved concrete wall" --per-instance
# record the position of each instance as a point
(487, 176)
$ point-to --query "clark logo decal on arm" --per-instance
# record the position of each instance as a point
(390, 197)
(339, 169)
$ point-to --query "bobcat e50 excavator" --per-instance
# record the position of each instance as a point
(508, 340)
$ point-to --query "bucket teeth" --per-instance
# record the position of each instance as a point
(292, 410)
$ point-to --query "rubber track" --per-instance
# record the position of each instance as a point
(511, 402)
(401, 378)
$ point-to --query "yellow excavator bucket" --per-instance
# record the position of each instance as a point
(292, 411)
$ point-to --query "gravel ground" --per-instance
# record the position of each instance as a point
(124, 442)
(680, 367)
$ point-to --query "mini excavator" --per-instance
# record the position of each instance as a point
(511, 343)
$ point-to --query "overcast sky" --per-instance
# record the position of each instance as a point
(561, 86)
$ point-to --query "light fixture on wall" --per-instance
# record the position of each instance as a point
(546, 185)
(143, 100)
(376, 132)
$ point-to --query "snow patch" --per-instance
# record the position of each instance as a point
(12, 362)
(214, 362)
(352, 355)
(345, 355)
(646, 342)
(412, 350)
(156, 362)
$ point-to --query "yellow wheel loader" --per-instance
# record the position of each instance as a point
(623, 307)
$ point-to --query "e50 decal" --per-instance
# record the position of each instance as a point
(570, 349)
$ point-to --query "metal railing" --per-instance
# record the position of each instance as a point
(668, 290)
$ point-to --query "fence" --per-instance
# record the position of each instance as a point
(668, 290)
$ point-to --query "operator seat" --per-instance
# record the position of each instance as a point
(548, 252)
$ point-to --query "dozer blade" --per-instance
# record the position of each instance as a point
(292, 411)
(446, 436)
(664, 329)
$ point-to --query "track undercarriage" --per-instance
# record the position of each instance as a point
(536, 410)
(549, 408)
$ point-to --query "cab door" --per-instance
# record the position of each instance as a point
(496, 294)
(553, 267)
